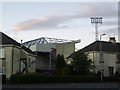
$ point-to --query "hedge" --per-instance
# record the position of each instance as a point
(38, 78)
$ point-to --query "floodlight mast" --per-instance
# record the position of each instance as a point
(96, 21)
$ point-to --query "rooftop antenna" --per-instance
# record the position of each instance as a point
(96, 21)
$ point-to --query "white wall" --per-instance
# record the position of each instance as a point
(45, 47)
(94, 56)
(62, 48)
(42, 47)
(16, 60)
(108, 58)
(8, 61)
(13, 55)
(33, 47)
(65, 49)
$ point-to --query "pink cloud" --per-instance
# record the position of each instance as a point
(29, 23)
(49, 22)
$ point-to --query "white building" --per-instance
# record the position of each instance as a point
(109, 55)
(15, 58)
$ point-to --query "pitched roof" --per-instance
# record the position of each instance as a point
(6, 40)
(95, 46)
(105, 46)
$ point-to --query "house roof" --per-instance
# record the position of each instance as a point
(6, 40)
(105, 46)
(95, 46)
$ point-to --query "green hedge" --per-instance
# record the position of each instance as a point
(111, 79)
(38, 78)
(24, 78)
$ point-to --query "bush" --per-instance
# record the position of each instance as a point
(56, 72)
(25, 78)
(38, 78)
(3, 78)
(91, 74)
(114, 78)
(14, 79)
(66, 71)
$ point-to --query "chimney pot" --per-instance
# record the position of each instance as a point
(112, 39)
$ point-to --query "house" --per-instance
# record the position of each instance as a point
(14, 57)
(107, 58)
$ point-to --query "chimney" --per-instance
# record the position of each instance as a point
(112, 39)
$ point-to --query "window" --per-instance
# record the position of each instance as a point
(1, 69)
(2, 53)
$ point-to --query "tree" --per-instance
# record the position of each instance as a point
(81, 64)
(60, 63)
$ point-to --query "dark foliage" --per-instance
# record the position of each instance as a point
(81, 64)
(60, 64)
(38, 78)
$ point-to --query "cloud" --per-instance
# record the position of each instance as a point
(103, 9)
(111, 23)
(88, 8)
(42, 23)
(111, 31)
(53, 22)
(25, 25)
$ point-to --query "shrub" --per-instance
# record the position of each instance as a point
(113, 78)
(14, 79)
(38, 78)
(66, 71)
(56, 72)
(91, 74)
(106, 79)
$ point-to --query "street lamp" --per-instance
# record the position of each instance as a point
(96, 21)
(101, 57)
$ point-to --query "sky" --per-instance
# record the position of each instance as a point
(62, 20)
